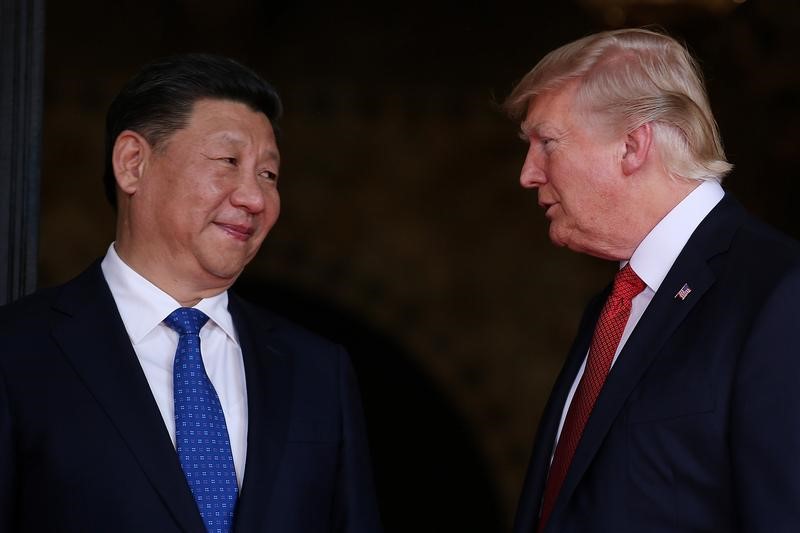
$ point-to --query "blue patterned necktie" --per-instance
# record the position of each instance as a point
(201, 435)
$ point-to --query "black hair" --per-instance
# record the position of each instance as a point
(159, 100)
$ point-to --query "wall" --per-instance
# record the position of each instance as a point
(399, 182)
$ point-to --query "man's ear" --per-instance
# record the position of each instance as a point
(637, 148)
(128, 158)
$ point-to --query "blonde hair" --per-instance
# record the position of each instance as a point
(634, 77)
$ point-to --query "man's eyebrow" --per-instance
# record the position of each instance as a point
(272, 154)
(528, 129)
(230, 138)
(237, 141)
(541, 129)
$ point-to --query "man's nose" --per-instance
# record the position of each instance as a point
(532, 174)
(249, 193)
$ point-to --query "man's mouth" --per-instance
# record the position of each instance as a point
(240, 232)
(548, 209)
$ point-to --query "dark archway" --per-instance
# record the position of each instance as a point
(429, 474)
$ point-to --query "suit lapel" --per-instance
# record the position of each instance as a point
(94, 340)
(662, 317)
(531, 497)
(268, 373)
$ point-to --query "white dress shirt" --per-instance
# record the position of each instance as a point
(654, 257)
(143, 307)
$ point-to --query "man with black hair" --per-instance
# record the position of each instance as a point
(142, 395)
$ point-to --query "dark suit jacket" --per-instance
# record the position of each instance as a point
(83, 446)
(698, 425)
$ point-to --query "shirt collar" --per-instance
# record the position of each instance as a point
(656, 254)
(143, 306)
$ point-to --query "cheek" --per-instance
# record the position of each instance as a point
(273, 197)
(272, 204)
(269, 215)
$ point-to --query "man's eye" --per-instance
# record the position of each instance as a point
(230, 160)
(269, 175)
(547, 143)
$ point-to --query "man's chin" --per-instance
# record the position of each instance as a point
(220, 274)
(573, 245)
(557, 238)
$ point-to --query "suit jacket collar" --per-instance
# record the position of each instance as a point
(268, 371)
(662, 317)
(533, 490)
(92, 336)
(110, 369)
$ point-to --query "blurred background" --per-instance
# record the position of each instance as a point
(404, 233)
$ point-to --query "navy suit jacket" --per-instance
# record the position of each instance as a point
(83, 446)
(698, 425)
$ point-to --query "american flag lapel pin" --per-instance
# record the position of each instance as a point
(684, 292)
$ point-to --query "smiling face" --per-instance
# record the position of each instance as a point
(575, 163)
(195, 210)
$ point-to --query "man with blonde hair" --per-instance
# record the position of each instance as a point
(674, 408)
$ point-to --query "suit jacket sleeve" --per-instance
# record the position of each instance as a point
(7, 467)
(356, 506)
(765, 417)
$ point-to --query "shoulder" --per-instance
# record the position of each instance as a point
(286, 336)
(757, 271)
(36, 312)
(319, 368)
(768, 242)
(762, 254)
(31, 309)
(24, 330)
(734, 240)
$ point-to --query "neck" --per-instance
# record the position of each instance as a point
(178, 286)
(667, 193)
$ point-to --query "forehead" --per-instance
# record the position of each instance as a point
(214, 113)
(554, 108)
(229, 121)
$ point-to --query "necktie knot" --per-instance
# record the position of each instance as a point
(186, 320)
(627, 284)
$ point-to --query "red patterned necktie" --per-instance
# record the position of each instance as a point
(607, 335)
